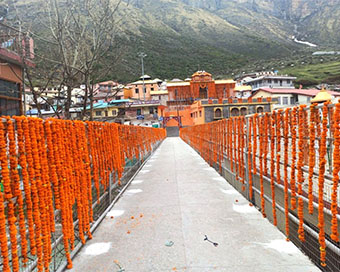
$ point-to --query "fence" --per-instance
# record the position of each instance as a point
(57, 179)
(287, 164)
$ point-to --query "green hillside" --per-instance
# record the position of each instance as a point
(313, 74)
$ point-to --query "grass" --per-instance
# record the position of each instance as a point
(314, 74)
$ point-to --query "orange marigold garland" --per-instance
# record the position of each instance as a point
(285, 166)
(322, 168)
(336, 169)
(300, 165)
(250, 123)
(293, 124)
(254, 119)
(4, 173)
(311, 160)
(13, 158)
(272, 163)
(261, 137)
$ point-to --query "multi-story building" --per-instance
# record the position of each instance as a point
(13, 52)
(268, 80)
(151, 85)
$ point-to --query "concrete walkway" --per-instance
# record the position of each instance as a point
(160, 223)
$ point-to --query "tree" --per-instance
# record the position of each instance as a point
(75, 39)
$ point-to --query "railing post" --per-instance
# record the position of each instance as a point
(110, 187)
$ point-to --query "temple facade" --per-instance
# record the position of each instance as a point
(183, 94)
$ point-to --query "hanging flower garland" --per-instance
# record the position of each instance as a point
(5, 178)
(250, 124)
(293, 166)
(272, 162)
(255, 142)
(322, 167)
(311, 159)
(285, 166)
(261, 139)
(300, 165)
(336, 169)
(16, 187)
(265, 144)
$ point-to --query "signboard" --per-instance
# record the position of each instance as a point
(140, 117)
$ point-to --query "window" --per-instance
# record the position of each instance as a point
(139, 111)
(292, 101)
(152, 89)
(288, 81)
(308, 99)
(98, 113)
(200, 113)
(275, 81)
(285, 100)
(159, 97)
(218, 113)
(279, 100)
(191, 115)
(280, 82)
(269, 81)
(145, 90)
(114, 112)
(136, 90)
(151, 110)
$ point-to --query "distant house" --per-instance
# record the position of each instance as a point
(107, 91)
(268, 80)
(151, 85)
(291, 97)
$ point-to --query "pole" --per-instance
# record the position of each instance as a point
(143, 78)
(142, 56)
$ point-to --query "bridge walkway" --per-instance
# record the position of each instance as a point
(161, 221)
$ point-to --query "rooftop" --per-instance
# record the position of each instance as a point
(306, 92)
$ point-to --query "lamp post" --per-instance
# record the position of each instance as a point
(142, 56)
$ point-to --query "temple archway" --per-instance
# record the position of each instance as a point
(203, 93)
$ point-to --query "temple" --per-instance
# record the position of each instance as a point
(201, 99)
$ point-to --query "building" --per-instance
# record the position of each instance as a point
(209, 110)
(136, 88)
(107, 91)
(52, 100)
(183, 94)
(243, 91)
(113, 111)
(291, 97)
(12, 54)
(267, 80)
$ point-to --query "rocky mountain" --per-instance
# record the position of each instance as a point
(222, 36)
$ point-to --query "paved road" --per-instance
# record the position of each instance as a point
(178, 199)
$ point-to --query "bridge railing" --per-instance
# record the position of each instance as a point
(287, 164)
(58, 178)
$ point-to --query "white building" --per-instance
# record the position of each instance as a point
(291, 97)
(268, 80)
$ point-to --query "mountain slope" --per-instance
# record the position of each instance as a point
(180, 36)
